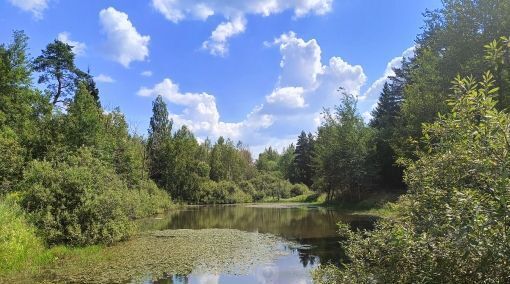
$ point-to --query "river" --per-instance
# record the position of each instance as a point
(311, 232)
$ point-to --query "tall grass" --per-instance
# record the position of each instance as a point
(19, 246)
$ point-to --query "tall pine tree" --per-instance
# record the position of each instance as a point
(303, 159)
(385, 118)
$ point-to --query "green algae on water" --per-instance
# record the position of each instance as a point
(224, 251)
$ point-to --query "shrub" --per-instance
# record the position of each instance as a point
(77, 200)
(19, 244)
(12, 160)
(145, 200)
(222, 192)
(298, 189)
(268, 185)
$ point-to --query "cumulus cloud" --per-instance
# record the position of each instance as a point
(146, 73)
(36, 7)
(217, 44)
(123, 42)
(78, 47)
(305, 85)
(102, 78)
(200, 113)
(234, 12)
(376, 88)
(288, 96)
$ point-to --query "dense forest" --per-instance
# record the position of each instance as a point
(71, 172)
(444, 120)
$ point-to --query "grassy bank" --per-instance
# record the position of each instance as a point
(378, 204)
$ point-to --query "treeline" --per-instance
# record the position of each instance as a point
(449, 127)
(222, 172)
(350, 159)
(72, 173)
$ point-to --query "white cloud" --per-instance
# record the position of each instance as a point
(124, 43)
(200, 113)
(146, 73)
(305, 85)
(376, 88)
(234, 12)
(217, 44)
(291, 97)
(36, 7)
(301, 60)
(102, 78)
(78, 47)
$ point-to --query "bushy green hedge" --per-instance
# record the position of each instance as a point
(79, 200)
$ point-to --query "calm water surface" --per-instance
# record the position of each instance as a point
(310, 230)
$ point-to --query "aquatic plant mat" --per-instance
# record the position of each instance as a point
(170, 251)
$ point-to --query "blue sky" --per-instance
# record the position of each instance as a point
(259, 71)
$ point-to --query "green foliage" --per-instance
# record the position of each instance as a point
(452, 43)
(19, 245)
(303, 160)
(58, 71)
(11, 164)
(452, 227)
(286, 163)
(342, 149)
(158, 142)
(385, 120)
(223, 192)
(76, 200)
(83, 124)
(268, 160)
(298, 189)
(268, 185)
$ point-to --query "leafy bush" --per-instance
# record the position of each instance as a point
(79, 200)
(269, 185)
(298, 189)
(453, 224)
(146, 200)
(19, 244)
(12, 160)
(222, 192)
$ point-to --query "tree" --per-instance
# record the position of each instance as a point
(452, 43)
(158, 142)
(183, 166)
(286, 164)
(303, 159)
(84, 121)
(88, 79)
(385, 119)
(21, 107)
(58, 71)
(342, 149)
(452, 225)
(268, 160)
(218, 169)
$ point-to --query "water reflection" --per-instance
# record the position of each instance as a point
(313, 228)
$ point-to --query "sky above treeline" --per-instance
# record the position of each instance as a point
(259, 71)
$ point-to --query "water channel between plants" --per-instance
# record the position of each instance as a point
(258, 243)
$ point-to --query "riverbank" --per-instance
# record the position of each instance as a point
(150, 256)
(378, 204)
(65, 263)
